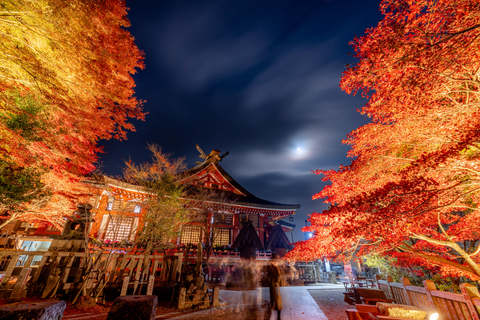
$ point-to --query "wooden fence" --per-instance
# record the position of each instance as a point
(309, 272)
(63, 272)
(451, 306)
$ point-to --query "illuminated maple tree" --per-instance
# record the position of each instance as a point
(412, 189)
(65, 83)
(167, 209)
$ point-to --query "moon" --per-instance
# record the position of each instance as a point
(299, 152)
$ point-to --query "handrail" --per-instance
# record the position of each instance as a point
(448, 295)
(434, 298)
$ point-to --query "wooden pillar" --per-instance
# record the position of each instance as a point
(430, 286)
(236, 226)
(261, 230)
(209, 229)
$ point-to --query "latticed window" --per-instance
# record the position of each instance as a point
(191, 235)
(119, 228)
(221, 218)
(221, 237)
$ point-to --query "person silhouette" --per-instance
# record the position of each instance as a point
(273, 275)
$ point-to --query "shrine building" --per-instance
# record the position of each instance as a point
(118, 208)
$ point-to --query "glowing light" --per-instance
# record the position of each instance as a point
(299, 152)
(434, 316)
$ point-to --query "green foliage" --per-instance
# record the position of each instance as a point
(19, 184)
(446, 283)
(25, 118)
(168, 209)
(387, 267)
(472, 151)
(165, 214)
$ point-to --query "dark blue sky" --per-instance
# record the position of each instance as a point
(256, 78)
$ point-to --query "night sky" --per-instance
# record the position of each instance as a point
(256, 78)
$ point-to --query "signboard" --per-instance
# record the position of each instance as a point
(347, 268)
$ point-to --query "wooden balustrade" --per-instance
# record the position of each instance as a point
(107, 268)
(451, 306)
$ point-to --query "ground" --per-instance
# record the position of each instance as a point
(323, 302)
(330, 301)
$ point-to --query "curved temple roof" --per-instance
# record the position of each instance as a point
(228, 193)
(211, 175)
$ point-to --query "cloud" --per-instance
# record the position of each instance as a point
(258, 79)
(277, 186)
(198, 50)
(303, 75)
(260, 162)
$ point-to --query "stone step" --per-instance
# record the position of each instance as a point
(85, 316)
(168, 315)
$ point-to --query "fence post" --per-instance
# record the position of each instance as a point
(377, 277)
(389, 289)
(315, 279)
(125, 282)
(469, 291)
(9, 269)
(405, 283)
(68, 267)
(151, 282)
(215, 298)
(178, 271)
(20, 288)
(429, 286)
(138, 273)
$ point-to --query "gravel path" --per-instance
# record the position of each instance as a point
(299, 303)
(330, 301)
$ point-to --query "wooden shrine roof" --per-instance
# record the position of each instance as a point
(211, 175)
(228, 195)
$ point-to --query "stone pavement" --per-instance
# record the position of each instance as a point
(298, 304)
(330, 301)
(86, 316)
(321, 302)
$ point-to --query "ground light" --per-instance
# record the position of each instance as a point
(433, 316)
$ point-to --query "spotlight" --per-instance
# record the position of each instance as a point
(434, 316)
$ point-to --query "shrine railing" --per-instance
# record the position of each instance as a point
(451, 306)
(49, 272)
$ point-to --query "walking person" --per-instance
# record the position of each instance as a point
(274, 276)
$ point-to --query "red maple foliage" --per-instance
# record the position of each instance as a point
(412, 189)
(65, 83)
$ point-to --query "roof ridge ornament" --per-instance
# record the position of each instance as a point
(214, 156)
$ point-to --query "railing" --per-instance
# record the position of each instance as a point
(309, 271)
(451, 306)
(227, 255)
(128, 268)
(65, 271)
